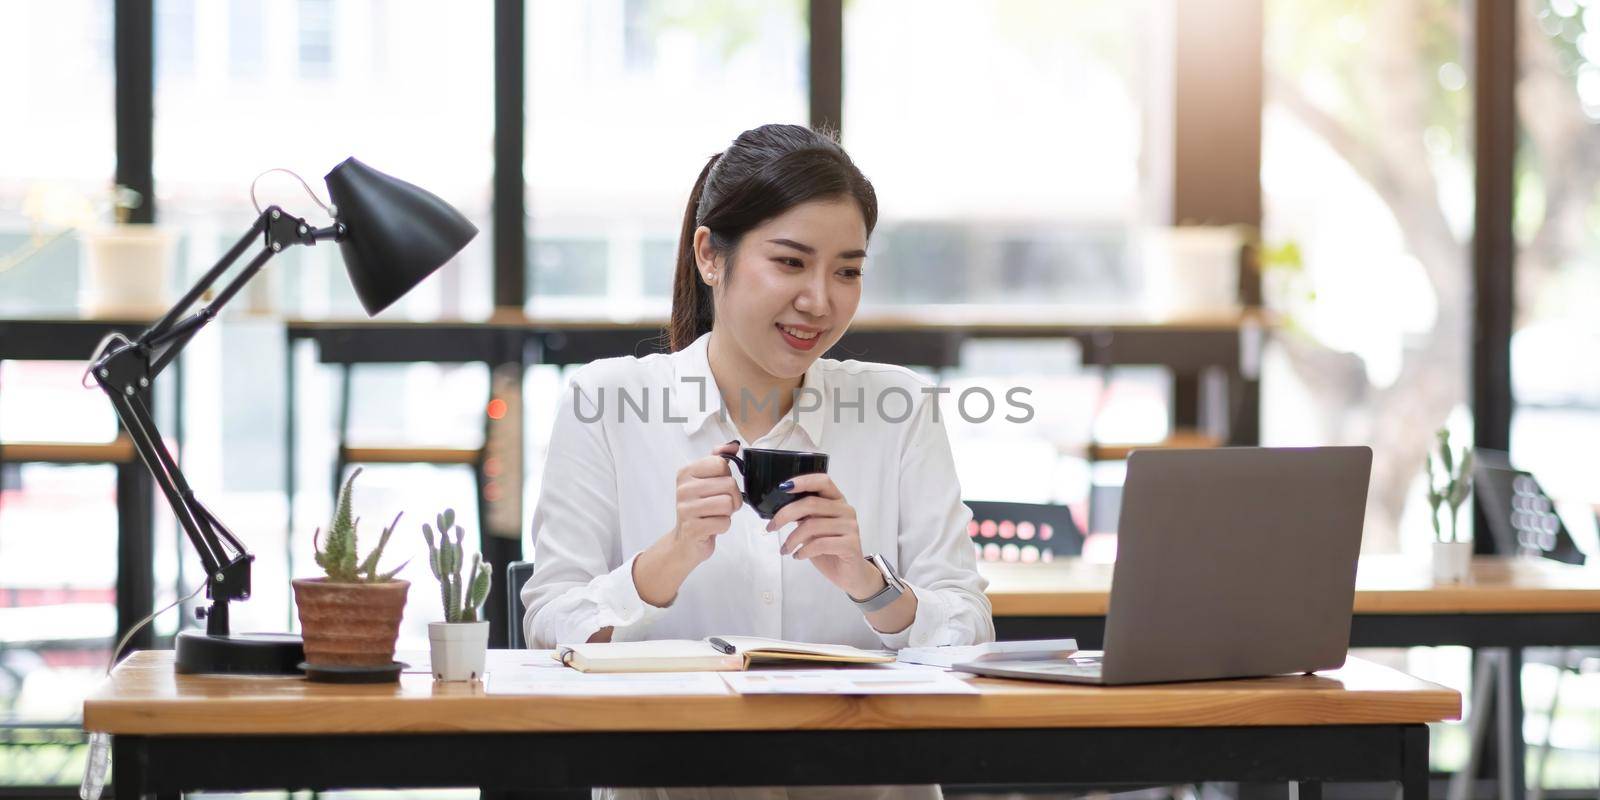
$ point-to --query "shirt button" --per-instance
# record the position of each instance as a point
(766, 597)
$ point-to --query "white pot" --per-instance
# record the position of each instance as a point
(126, 270)
(1452, 562)
(458, 650)
(1191, 269)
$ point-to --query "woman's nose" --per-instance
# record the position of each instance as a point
(813, 298)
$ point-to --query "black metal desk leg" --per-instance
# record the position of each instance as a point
(1414, 763)
(1486, 676)
(127, 767)
(136, 582)
(289, 456)
(1513, 769)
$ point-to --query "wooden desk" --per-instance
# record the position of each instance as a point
(180, 733)
(1508, 602)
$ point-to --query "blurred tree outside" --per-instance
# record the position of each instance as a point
(1382, 348)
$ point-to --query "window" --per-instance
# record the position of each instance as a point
(1010, 167)
(1555, 377)
(303, 84)
(1366, 170)
(626, 101)
(316, 39)
(56, 169)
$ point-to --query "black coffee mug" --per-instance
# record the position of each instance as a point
(764, 470)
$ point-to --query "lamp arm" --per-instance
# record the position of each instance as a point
(166, 338)
(125, 371)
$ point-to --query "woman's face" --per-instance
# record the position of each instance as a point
(795, 286)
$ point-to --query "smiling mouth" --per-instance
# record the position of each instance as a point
(798, 339)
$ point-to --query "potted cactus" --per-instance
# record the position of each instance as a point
(1448, 489)
(351, 617)
(459, 644)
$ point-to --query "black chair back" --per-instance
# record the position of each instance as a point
(1023, 532)
(517, 574)
(1522, 518)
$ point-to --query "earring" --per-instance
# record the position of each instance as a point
(711, 277)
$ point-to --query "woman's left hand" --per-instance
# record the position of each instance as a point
(827, 536)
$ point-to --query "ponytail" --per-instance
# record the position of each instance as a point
(691, 296)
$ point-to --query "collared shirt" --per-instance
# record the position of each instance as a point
(610, 491)
(625, 428)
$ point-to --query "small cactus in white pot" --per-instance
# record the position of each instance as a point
(1449, 486)
(460, 643)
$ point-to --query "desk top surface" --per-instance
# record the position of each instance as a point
(1385, 584)
(144, 696)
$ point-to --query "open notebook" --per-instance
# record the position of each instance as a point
(707, 655)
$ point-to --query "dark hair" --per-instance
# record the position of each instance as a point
(765, 172)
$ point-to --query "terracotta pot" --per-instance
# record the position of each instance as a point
(350, 624)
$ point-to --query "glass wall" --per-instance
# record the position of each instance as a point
(1555, 377)
(1367, 190)
(1013, 172)
(59, 154)
(57, 523)
(248, 86)
(626, 99)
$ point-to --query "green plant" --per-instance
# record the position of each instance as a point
(462, 593)
(1452, 490)
(340, 557)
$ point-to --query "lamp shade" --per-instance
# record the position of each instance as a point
(396, 233)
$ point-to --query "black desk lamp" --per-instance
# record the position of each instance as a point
(392, 235)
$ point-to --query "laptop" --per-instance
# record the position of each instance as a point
(1231, 563)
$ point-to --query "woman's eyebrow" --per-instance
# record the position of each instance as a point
(811, 251)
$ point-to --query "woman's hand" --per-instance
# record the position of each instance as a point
(827, 535)
(707, 498)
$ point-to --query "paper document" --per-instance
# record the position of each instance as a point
(572, 683)
(1028, 650)
(420, 661)
(846, 681)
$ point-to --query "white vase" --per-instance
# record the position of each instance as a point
(1190, 270)
(458, 650)
(126, 271)
(1452, 562)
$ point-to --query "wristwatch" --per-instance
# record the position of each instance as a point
(893, 587)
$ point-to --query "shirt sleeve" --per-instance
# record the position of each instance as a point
(935, 554)
(582, 582)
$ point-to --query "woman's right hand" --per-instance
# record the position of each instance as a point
(707, 499)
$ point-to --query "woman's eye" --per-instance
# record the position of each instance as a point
(789, 262)
(851, 273)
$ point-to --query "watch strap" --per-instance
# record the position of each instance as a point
(890, 592)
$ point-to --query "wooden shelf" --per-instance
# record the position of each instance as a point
(117, 451)
(411, 455)
(1179, 440)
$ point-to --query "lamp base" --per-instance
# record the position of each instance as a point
(200, 653)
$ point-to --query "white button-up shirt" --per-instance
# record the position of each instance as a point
(626, 426)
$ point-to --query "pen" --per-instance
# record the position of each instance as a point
(722, 645)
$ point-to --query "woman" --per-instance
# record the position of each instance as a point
(640, 531)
